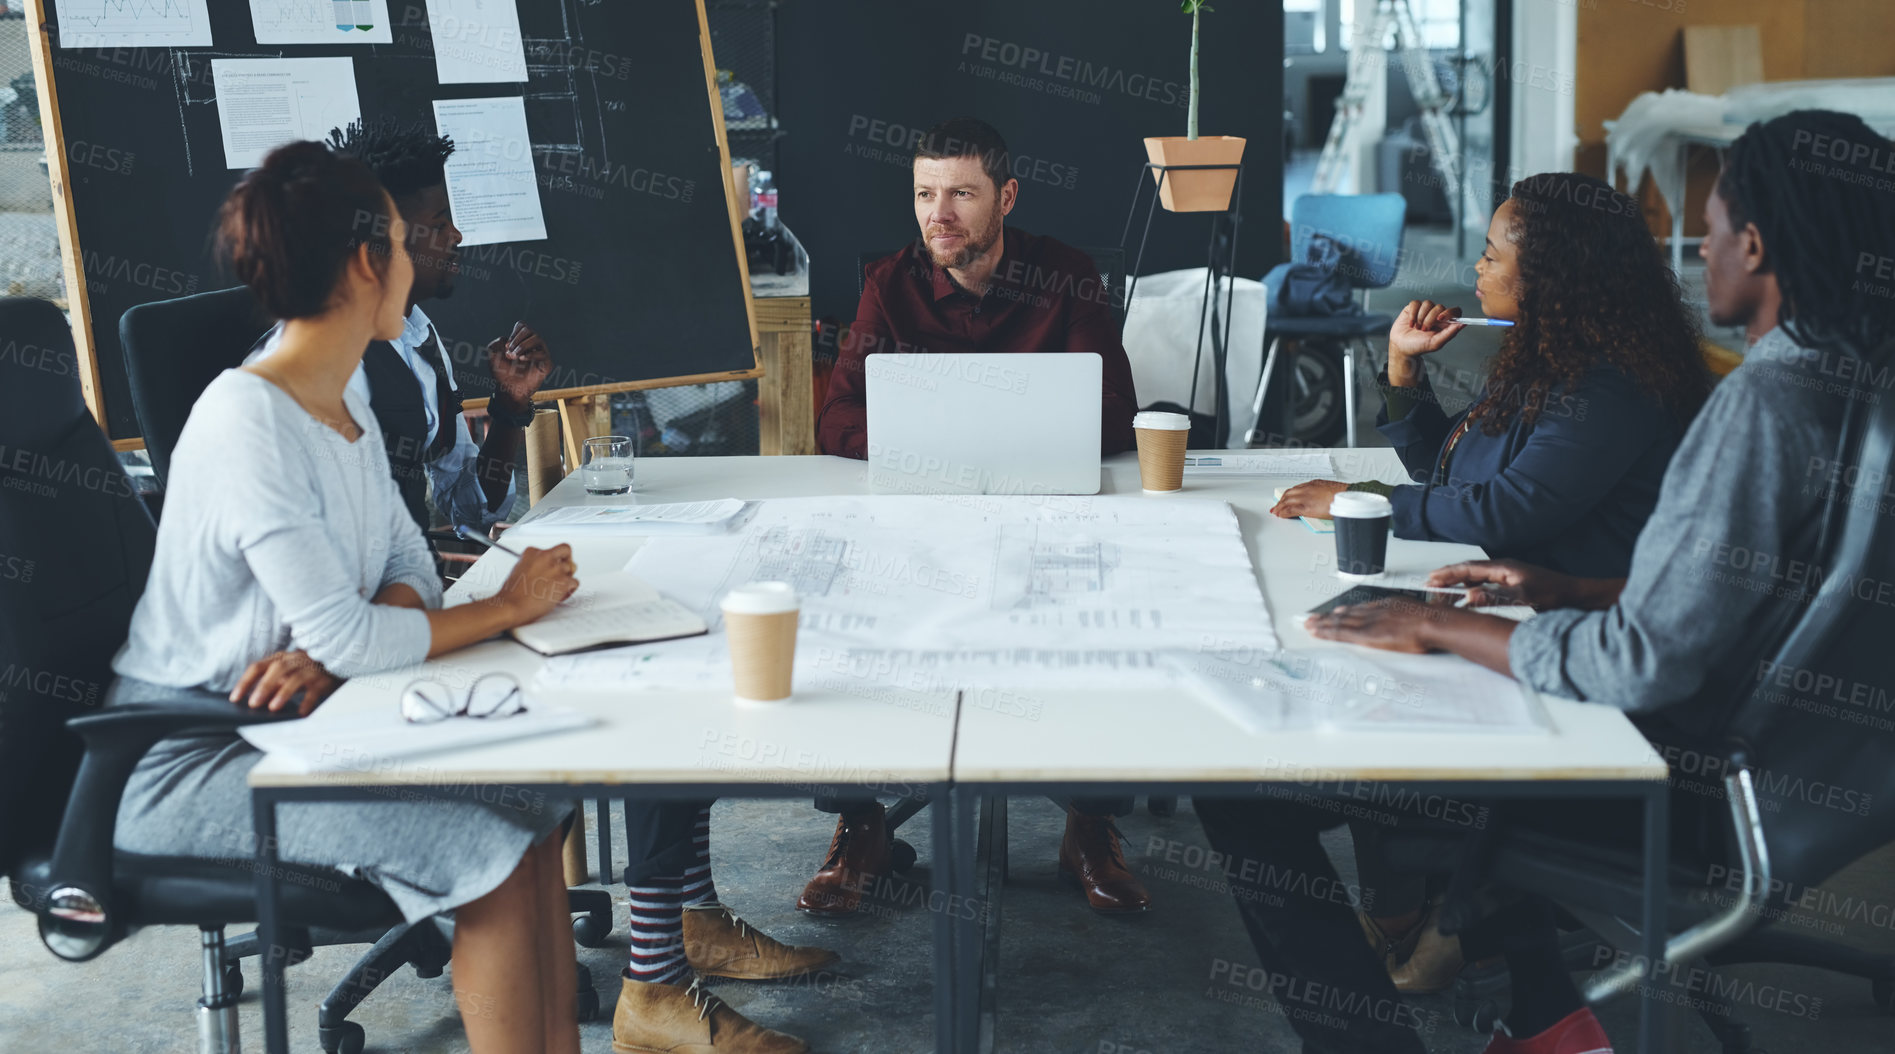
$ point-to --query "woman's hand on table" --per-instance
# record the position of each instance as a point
(540, 579)
(272, 681)
(1308, 499)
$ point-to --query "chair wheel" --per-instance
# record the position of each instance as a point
(1479, 1015)
(1161, 805)
(901, 856)
(592, 928)
(233, 979)
(347, 1038)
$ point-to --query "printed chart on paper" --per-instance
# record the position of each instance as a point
(930, 574)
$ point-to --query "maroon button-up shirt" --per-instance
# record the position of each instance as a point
(1044, 296)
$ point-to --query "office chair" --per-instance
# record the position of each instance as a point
(78, 546)
(1368, 227)
(1777, 840)
(174, 349)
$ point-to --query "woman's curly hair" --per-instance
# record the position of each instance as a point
(1594, 290)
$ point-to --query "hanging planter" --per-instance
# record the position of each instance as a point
(1195, 191)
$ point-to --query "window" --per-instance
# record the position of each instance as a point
(1303, 27)
(1440, 22)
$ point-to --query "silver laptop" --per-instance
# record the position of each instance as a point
(1006, 423)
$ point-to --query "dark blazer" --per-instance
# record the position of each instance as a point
(400, 408)
(1569, 492)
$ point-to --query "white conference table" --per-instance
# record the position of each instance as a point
(962, 759)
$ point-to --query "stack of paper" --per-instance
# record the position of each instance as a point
(1303, 464)
(380, 739)
(694, 517)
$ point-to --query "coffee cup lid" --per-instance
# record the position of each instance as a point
(760, 598)
(1157, 419)
(1359, 505)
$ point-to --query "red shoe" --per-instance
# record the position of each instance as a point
(1576, 1033)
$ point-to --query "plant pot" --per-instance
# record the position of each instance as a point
(1195, 191)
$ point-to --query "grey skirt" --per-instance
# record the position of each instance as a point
(430, 853)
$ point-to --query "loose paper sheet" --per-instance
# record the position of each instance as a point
(1305, 464)
(133, 24)
(490, 180)
(264, 103)
(476, 42)
(693, 517)
(321, 21)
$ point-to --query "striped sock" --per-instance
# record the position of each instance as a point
(657, 932)
(698, 887)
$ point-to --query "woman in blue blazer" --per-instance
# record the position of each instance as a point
(1558, 459)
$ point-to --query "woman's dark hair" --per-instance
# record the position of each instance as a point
(1594, 290)
(288, 229)
(1817, 184)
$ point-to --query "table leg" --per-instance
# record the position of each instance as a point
(273, 955)
(968, 930)
(945, 959)
(1652, 1012)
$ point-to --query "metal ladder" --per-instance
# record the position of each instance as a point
(1369, 48)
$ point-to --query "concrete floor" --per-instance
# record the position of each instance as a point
(1071, 981)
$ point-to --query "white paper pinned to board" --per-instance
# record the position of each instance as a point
(264, 103)
(490, 179)
(477, 41)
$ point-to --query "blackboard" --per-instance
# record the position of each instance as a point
(639, 282)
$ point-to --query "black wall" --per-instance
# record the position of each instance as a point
(857, 79)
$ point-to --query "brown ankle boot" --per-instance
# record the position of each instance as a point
(1090, 858)
(686, 1019)
(719, 944)
(858, 855)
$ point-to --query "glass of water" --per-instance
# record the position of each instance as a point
(606, 465)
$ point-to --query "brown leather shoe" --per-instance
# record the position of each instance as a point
(719, 944)
(1434, 959)
(1391, 950)
(858, 855)
(1090, 858)
(686, 1019)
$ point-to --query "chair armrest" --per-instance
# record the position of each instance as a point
(116, 738)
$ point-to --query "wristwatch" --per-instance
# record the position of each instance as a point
(497, 414)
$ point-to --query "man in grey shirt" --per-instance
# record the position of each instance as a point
(1720, 573)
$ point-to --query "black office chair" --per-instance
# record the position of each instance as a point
(78, 545)
(1775, 838)
(174, 349)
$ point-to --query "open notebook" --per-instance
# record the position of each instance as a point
(611, 608)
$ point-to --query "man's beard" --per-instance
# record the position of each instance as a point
(971, 249)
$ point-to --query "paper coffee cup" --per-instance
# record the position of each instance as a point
(1362, 521)
(760, 621)
(1162, 438)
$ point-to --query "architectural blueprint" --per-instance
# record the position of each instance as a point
(946, 573)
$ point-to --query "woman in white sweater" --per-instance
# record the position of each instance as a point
(286, 562)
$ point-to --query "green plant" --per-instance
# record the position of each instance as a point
(1194, 8)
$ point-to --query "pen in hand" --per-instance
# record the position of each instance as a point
(467, 534)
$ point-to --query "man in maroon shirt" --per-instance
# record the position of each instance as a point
(971, 284)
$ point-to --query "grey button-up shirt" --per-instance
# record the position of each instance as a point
(1731, 541)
